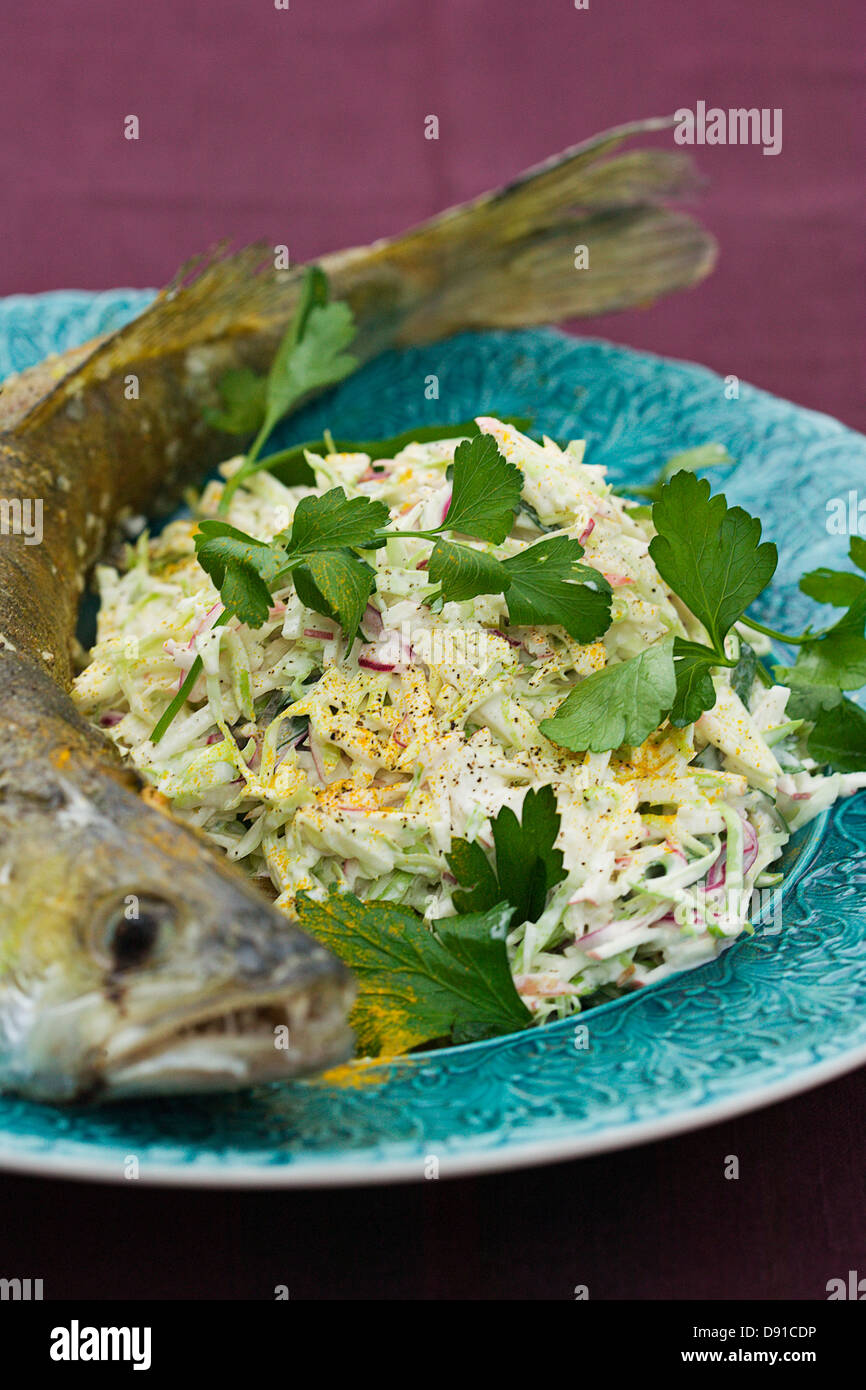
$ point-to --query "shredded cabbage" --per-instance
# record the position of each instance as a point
(314, 766)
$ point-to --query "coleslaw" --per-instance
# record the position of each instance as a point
(314, 766)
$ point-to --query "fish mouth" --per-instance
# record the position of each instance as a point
(238, 1042)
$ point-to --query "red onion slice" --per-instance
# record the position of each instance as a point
(718, 871)
(750, 845)
(371, 663)
(372, 620)
(211, 613)
(316, 756)
(600, 934)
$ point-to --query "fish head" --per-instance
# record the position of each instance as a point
(134, 962)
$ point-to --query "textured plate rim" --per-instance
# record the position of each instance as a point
(479, 1163)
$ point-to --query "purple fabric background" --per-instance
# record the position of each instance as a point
(306, 127)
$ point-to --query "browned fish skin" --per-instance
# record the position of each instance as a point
(78, 842)
(90, 455)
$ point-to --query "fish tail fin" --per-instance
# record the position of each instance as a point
(582, 234)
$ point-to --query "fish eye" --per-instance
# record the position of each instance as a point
(134, 931)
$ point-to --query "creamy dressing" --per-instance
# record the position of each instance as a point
(315, 767)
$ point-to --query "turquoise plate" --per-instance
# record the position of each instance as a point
(777, 1013)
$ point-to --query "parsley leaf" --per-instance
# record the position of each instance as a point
(544, 584)
(311, 355)
(841, 588)
(486, 491)
(310, 361)
(317, 550)
(710, 554)
(471, 868)
(623, 703)
(548, 585)
(527, 865)
(478, 944)
(838, 735)
(417, 985)
(241, 567)
(838, 658)
(333, 521)
(242, 392)
(464, 572)
(337, 584)
(693, 665)
(746, 671)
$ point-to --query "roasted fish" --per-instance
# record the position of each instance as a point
(133, 961)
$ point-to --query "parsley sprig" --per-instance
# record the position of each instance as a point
(311, 355)
(526, 865)
(712, 557)
(318, 552)
(323, 553)
(546, 583)
(543, 584)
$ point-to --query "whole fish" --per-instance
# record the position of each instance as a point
(132, 960)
